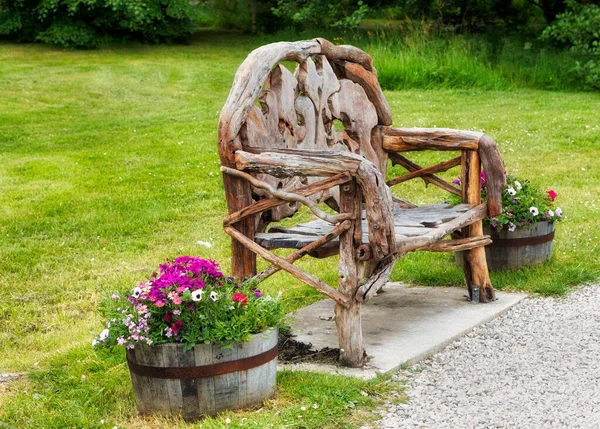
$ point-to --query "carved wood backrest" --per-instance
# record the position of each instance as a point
(297, 110)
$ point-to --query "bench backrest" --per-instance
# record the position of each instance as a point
(299, 110)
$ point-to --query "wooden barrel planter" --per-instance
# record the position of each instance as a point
(516, 249)
(205, 380)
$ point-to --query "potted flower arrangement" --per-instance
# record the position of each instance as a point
(522, 235)
(197, 342)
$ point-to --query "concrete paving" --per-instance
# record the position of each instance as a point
(401, 326)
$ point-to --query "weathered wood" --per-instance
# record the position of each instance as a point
(458, 244)
(476, 271)
(403, 203)
(318, 284)
(495, 173)
(300, 163)
(442, 166)
(358, 115)
(249, 80)
(345, 52)
(434, 180)
(379, 208)
(334, 233)
(407, 223)
(286, 196)
(238, 196)
(368, 80)
(262, 205)
(194, 397)
(408, 143)
(410, 244)
(377, 277)
(348, 321)
(409, 139)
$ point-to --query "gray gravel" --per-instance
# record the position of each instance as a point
(537, 366)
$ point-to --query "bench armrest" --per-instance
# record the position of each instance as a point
(445, 139)
(377, 196)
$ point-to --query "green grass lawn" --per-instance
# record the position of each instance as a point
(109, 165)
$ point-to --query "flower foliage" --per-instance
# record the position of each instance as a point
(188, 301)
(522, 205)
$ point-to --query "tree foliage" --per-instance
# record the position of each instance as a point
(83, 24)
(579, 29)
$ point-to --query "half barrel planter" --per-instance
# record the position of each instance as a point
(205, 380)
(516, 249)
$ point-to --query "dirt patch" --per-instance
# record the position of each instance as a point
(293, 351)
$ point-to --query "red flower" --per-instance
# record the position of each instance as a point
(552, 195)
(241, 298)
(169, 317)
(176, 326)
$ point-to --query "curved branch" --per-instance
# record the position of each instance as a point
(289, 196)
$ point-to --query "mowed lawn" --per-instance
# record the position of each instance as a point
(109, 165)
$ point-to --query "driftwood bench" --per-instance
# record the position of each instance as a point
(323, 134)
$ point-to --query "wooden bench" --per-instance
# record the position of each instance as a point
(323, 134)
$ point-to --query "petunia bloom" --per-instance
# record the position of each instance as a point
(550, 213)
(214, 296)
(177, 326)
(534, 210)
(258, 293)
(197, 295)
(511, 191)
(518, 185)
(136, 292)
(558, 212)
(511, 226)
(552, 195)
(241, 298)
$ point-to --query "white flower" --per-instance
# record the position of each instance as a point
(550, 213)
(214, 296)
(511, 191)
(558, 212)
(228, 420)
(197, 295)
(518, 185)
(511, 226)
(136, 292)
(315, 406)
(94, 343)
(534, 210)
(303, 408)
(104, 335)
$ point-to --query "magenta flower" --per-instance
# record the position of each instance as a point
(482, 178)
(552, 195)
(456, 181)
(169, 317)
(177, 326)
(257, 293)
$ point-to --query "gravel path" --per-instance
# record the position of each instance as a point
(537, 366)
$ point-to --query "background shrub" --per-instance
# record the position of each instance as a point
(83, 24)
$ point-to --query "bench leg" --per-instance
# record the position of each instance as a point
(476, 269)
(352, 350)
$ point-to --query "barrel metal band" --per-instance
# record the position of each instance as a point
(186, 372)
(526, 241)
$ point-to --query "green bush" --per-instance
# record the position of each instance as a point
(84, 24)
(579, 29)
(342, 14)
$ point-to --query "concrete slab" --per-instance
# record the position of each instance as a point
(401, 326)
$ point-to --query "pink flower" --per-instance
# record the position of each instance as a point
(177, 300)
(177, 326)
(551, 194)
(482, 178)
(160, 303)
(240, 297)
